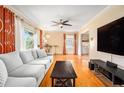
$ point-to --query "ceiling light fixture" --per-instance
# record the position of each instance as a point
(61, 26)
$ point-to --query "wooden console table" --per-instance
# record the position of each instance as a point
(116, 75)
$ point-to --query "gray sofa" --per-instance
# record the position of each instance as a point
(24, 68)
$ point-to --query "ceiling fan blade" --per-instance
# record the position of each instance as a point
(67, 24)
(65, 21)
(54, 22)
(54, 25)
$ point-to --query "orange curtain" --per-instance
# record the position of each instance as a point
(64, 45)
(75, 44)
(1, 30)
(7, 34)
(41, 46)
(13, 31)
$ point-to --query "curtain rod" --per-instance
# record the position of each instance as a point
(24, 19)
(26, 22)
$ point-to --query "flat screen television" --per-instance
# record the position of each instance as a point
(110, 37)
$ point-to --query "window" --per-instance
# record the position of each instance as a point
(28, 39)
(70, 44)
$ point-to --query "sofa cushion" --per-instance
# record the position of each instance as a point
(21, 82)
(46, 63)
(28, 71)
(26, 56)
(50, 58)
(12, 60)
(3, 74)
(34, 53)
(41, 53)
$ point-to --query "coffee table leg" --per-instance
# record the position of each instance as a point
(52, 82)
(74, 82)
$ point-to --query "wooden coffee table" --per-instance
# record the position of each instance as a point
(63, 71)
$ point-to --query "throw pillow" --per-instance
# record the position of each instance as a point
(41, 53)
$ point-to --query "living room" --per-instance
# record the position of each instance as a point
(37, 48)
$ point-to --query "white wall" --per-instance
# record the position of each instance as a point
(108, 15)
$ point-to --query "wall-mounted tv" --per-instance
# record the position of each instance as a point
(110, 37)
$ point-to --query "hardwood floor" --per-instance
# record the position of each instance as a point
(86, 78)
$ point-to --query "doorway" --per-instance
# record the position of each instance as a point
(85, 43)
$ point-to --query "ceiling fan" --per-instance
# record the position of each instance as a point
(61, 23)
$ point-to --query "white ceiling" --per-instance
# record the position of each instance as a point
(42, 15)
